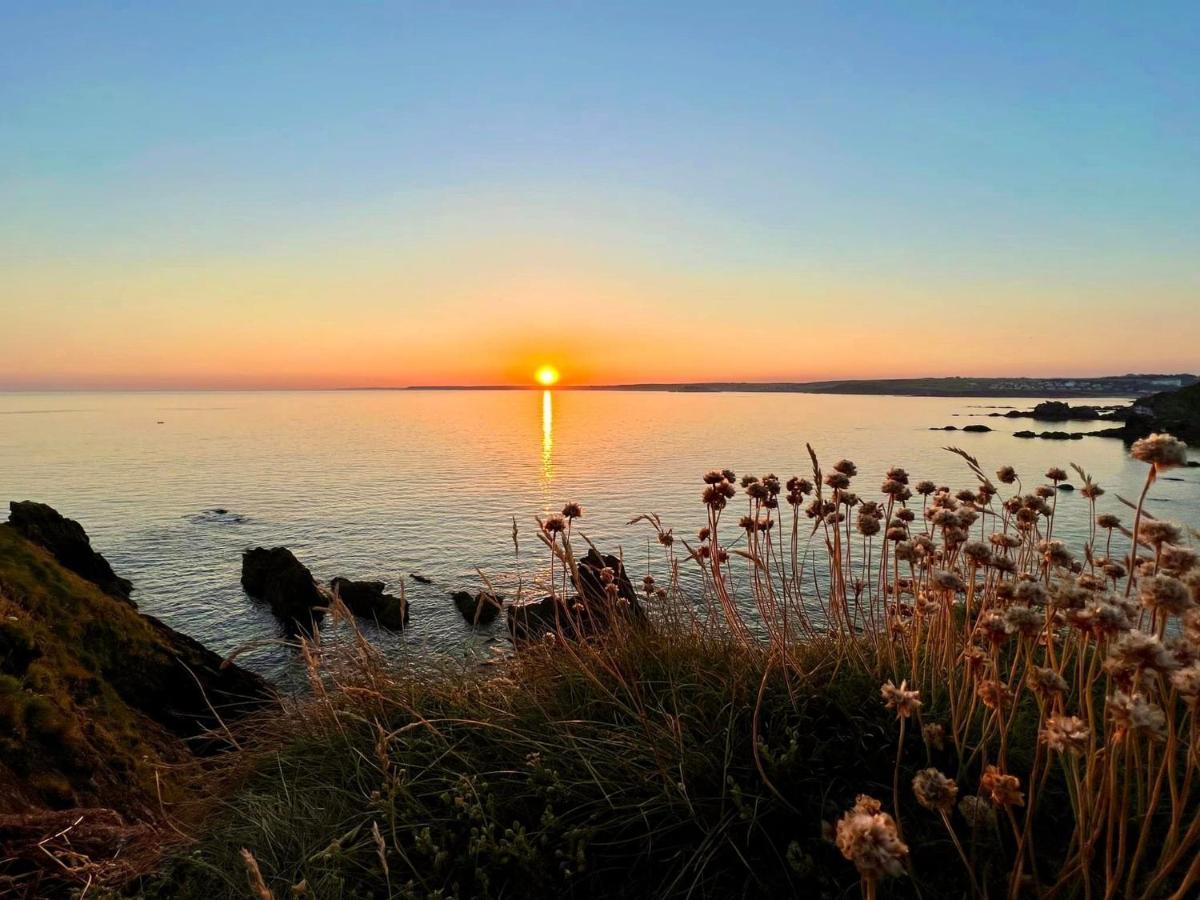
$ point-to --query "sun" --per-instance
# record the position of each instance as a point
(546, 376)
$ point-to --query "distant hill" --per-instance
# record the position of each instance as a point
(1131, 385)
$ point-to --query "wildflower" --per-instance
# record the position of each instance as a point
(1134, 713)
(1056, 474)
(728, 475)
(1065, 734)
(1187, 682)
(978, 552)
(846, 467)
(976, 811)
(1165, 593)
(897, 474)
(1108, 520)
(934, 735)
(995, 626)
(666, 538)
(748, 480)
(1153, 532)
(608, 575)
(572, 511)
(713, 476)
(1055, 553)
(797, 485)
(1177, 560)
(1030, 593)
(1162, 451)
(837, 480)
(902, 700)
(868, 525)
(554, 525)
(892, 488)
(948, 581)
(1006, 474)
(906, 515)
(1005, 541)
(869, 838)
(926, 488)
(1046, 682)
(1025, 620)
(1136, 650)
(1001, 789)
(935, 791)
(994, 693)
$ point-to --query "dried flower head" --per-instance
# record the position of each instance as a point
(1001, 789)
(935, 791)
(1046, 682)
(902, 700)
(1006, 474)
(572, 511)
(1133, 713)
(1065, 734)
(1163, 451)
(1166, 594)
(869, 838)
(934, 735)
(976, 811)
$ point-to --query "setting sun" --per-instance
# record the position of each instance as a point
(546, 375)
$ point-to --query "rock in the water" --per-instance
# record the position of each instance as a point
(280, 579)
(979, 429)
(945, 428)
(367, 600)
(420, 579)
(478, 609)
(1024, 434)
(68, 543)
(1061, 435)
(605, 595)
(1066, 486)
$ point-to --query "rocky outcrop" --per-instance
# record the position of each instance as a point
(98, 702)
(367, 600)
(1172, 412)
(67, 542)
(478, 609)
(278, 578)
(604, 595)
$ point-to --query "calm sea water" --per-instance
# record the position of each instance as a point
(382, 484)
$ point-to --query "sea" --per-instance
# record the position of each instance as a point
(173, 487)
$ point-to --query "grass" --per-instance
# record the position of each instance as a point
(923, 695)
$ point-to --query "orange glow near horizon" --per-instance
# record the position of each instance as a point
(547, 376)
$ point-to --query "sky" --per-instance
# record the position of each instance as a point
(346, 194)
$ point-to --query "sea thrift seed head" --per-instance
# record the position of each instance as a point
(897, 474)
(1108, 520)
(837, 480)
(1187, 682)
(902, 700)
(994, 693)
(1136, 650)
(1163, 451)
(1133, 713)
(1165, 594)
(845, 467)
(1001, 789)
(572, 511)
(748, 480)
(1054, 473)
(934, 735)
(607, 575)
(1153, 532)
(976, 811)
(925, 488)
(1092, 491)
(1065, 734)
(728, 475)
(1006, 474)
(1030, 593)
(935, 791)
(1046, 682)
(713, 476)
(1177, 560)
(554, 525)
(869, 838)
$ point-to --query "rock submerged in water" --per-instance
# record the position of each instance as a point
(978, 429)
(367, 600)
(68, 543)
(420, 579)
(277, 577)
(478, 609)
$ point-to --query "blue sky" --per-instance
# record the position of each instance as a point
(175, 172)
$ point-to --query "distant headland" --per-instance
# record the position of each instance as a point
(1101, 386)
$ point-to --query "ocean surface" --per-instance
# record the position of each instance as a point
(382, 484)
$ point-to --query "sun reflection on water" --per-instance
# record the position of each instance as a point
(547, 440)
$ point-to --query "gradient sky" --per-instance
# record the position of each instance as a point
(338, 194)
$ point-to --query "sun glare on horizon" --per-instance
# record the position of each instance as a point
(546, 376)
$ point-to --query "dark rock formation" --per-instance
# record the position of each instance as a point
(1173, 412)
(420, 579)
(976, 428)
(592, 610)
(1066, 486)
(367, 600)
(1025, 434)
(280, 579)
(945, 428)
(96, 700)
(68, 543)
(478, 609)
